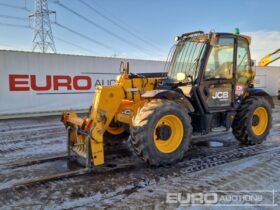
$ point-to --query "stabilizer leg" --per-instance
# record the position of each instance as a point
(89, 165)
(97, 147)
(68, 147)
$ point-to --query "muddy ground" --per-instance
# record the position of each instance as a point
(216, 162)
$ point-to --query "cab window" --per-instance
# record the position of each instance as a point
(243, 62)
(220, 61)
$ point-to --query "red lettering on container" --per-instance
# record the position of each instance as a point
(18, 82)
(82, 78)
(62, 81)
(35, 87)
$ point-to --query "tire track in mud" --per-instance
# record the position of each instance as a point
(31, 142)
(105, 187)
(25, 135)
(27, 132)
(27, 128)
(254, 173)
(11, 175)
(21, 124)
(126, 182)
(30, 138)
(46, 149)
(149, 186)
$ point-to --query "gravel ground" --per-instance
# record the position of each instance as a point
(214, 163)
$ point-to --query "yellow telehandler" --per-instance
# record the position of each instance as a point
(208, 84)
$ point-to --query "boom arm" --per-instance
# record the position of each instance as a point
(117, 103)
(268, 59)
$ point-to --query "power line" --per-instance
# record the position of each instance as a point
(120, 26)
(57, 38)
(14, 25)
(100, 27)
(13, 17)
(15, 7)
(85, 37)
(73, 44)
(122, 22)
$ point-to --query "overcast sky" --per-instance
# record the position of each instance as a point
(143, 28)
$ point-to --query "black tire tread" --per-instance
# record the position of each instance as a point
(139, 129)
(241, 128)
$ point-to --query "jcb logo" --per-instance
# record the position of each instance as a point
(220, 95)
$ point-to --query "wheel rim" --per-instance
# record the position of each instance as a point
(259, 121)
(170, 144)
(115, 130)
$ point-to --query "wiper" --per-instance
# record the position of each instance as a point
(195, 63)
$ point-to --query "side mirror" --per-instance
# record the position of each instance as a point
(214, 39)
(180, 76)
(252, 63)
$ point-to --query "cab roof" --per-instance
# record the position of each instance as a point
(211, 34)
(248, 38)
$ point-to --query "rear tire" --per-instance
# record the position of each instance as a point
(252, 121)
(161, 132)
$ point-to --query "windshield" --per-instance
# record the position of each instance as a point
(186, 58)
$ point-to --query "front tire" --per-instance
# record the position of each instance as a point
(252, 121)
(161, 132)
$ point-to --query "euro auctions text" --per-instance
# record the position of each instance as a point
(223, 198)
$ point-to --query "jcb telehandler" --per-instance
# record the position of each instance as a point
(208, 84)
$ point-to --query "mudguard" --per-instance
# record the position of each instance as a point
(261, 92)
(170, 95)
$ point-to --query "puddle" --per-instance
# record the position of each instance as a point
(215, 144)
(212, 144)
(276, 125)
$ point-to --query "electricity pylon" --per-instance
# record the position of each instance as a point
(42, 34)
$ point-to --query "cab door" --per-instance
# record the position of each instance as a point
(217, 84)
(244, 70)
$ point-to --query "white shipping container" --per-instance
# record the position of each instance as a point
(40, 84)
(36, 83)
(268, 78)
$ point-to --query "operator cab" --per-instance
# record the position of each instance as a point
(214, 71)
